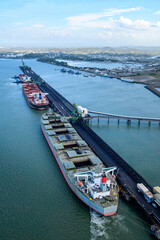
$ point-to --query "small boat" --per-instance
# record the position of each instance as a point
(77, 73)
(15, 77)
(106, 75)
(18, 81)
(71, 71)
(127, 80)
(63, 70)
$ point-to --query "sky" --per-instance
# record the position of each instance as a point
(79, 23)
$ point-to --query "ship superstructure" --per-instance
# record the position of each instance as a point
(34, 96)
(24, 78)
(84, 172)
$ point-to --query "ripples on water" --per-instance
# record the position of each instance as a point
(33, 184)
(103, 227)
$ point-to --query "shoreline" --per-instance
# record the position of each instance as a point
(150, 80)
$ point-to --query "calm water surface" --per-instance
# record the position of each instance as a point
(108, 65)
(36, 203)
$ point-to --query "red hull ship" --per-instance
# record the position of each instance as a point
(35, 97)
(24, 78)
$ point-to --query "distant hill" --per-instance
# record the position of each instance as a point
(153, 51)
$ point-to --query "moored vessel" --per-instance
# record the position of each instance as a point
(89, 179)
(35, 97)
(127, 80)
(24, 78)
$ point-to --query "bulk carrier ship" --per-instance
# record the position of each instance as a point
(35, 97)
(84, 172)
(24, 78)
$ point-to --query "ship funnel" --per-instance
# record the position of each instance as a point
(104, 178)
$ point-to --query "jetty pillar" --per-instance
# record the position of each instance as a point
(128, 121)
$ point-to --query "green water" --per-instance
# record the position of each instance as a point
(36, 202)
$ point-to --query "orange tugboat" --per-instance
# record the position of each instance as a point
(35, 97)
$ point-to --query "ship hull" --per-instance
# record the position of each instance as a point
(108, 211)
(34, 106)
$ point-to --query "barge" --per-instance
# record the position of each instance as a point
(35, 97)
(88, 178)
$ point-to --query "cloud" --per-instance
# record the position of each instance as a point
(137, 24)
(105, 35)
(108, 27)
(105, 20)
(113, 12)
(158, 12)
(38, 26)
(89, 18)
(142, 24)
(125, 21)
(18, 23)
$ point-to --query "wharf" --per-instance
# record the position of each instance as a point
(151, 88)
(127, 177)
(120, 117)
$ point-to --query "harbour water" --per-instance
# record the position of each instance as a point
(36, 202)
(108, 65)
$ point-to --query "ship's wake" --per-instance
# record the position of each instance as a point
(102, 228)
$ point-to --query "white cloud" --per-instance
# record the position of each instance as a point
(109, 27)
(105, 35)
(125, 21)
(18, 23)
(105, 21)
(88, 18)
(142, 24)
(158, 12)
(113, 12)
(38, 26)
(138, 24)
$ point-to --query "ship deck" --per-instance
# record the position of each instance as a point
(75, 155)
